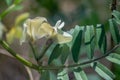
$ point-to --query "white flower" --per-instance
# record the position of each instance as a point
(39, 27)
(61, 36)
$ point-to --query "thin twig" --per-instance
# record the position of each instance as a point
(18, 57)
(9, 9)
(113, 6)
(47, 45)
(33, 50)
(80, 64)
(39, 68)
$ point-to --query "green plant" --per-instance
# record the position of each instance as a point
(86, 39)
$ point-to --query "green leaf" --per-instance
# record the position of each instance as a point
(21, 18)
(63, 75)
(55, 53)
(48, 75)
(80, 74)
(116, 15)
(114, 31)
(52, 76)
(115, 58)
(71, 31)
(104, 45)
(57, 62)
(101, 38)
(64, 54)
(50, 49)
(45, 75)
(90, 41)
(59, 54)
(103, 71)
(14, 33)
(13, 7)
(76, 42)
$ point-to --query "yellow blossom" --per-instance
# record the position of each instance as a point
(39, 27)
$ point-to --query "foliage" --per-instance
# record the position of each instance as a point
(90, 38)
(13, 7)
(16, 30)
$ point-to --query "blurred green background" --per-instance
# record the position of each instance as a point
(81, 12)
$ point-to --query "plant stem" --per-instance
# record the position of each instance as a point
(33, 50)
(18, 57)
(80, 64)
(47, 45)
(113, 6)
(40, 68)
(9, 9)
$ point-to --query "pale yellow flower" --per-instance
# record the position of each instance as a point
(39, 27)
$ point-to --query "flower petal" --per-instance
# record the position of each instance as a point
(62, 38)
(39, 27)
(61, 25)
(24, 34)
(57, 23)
